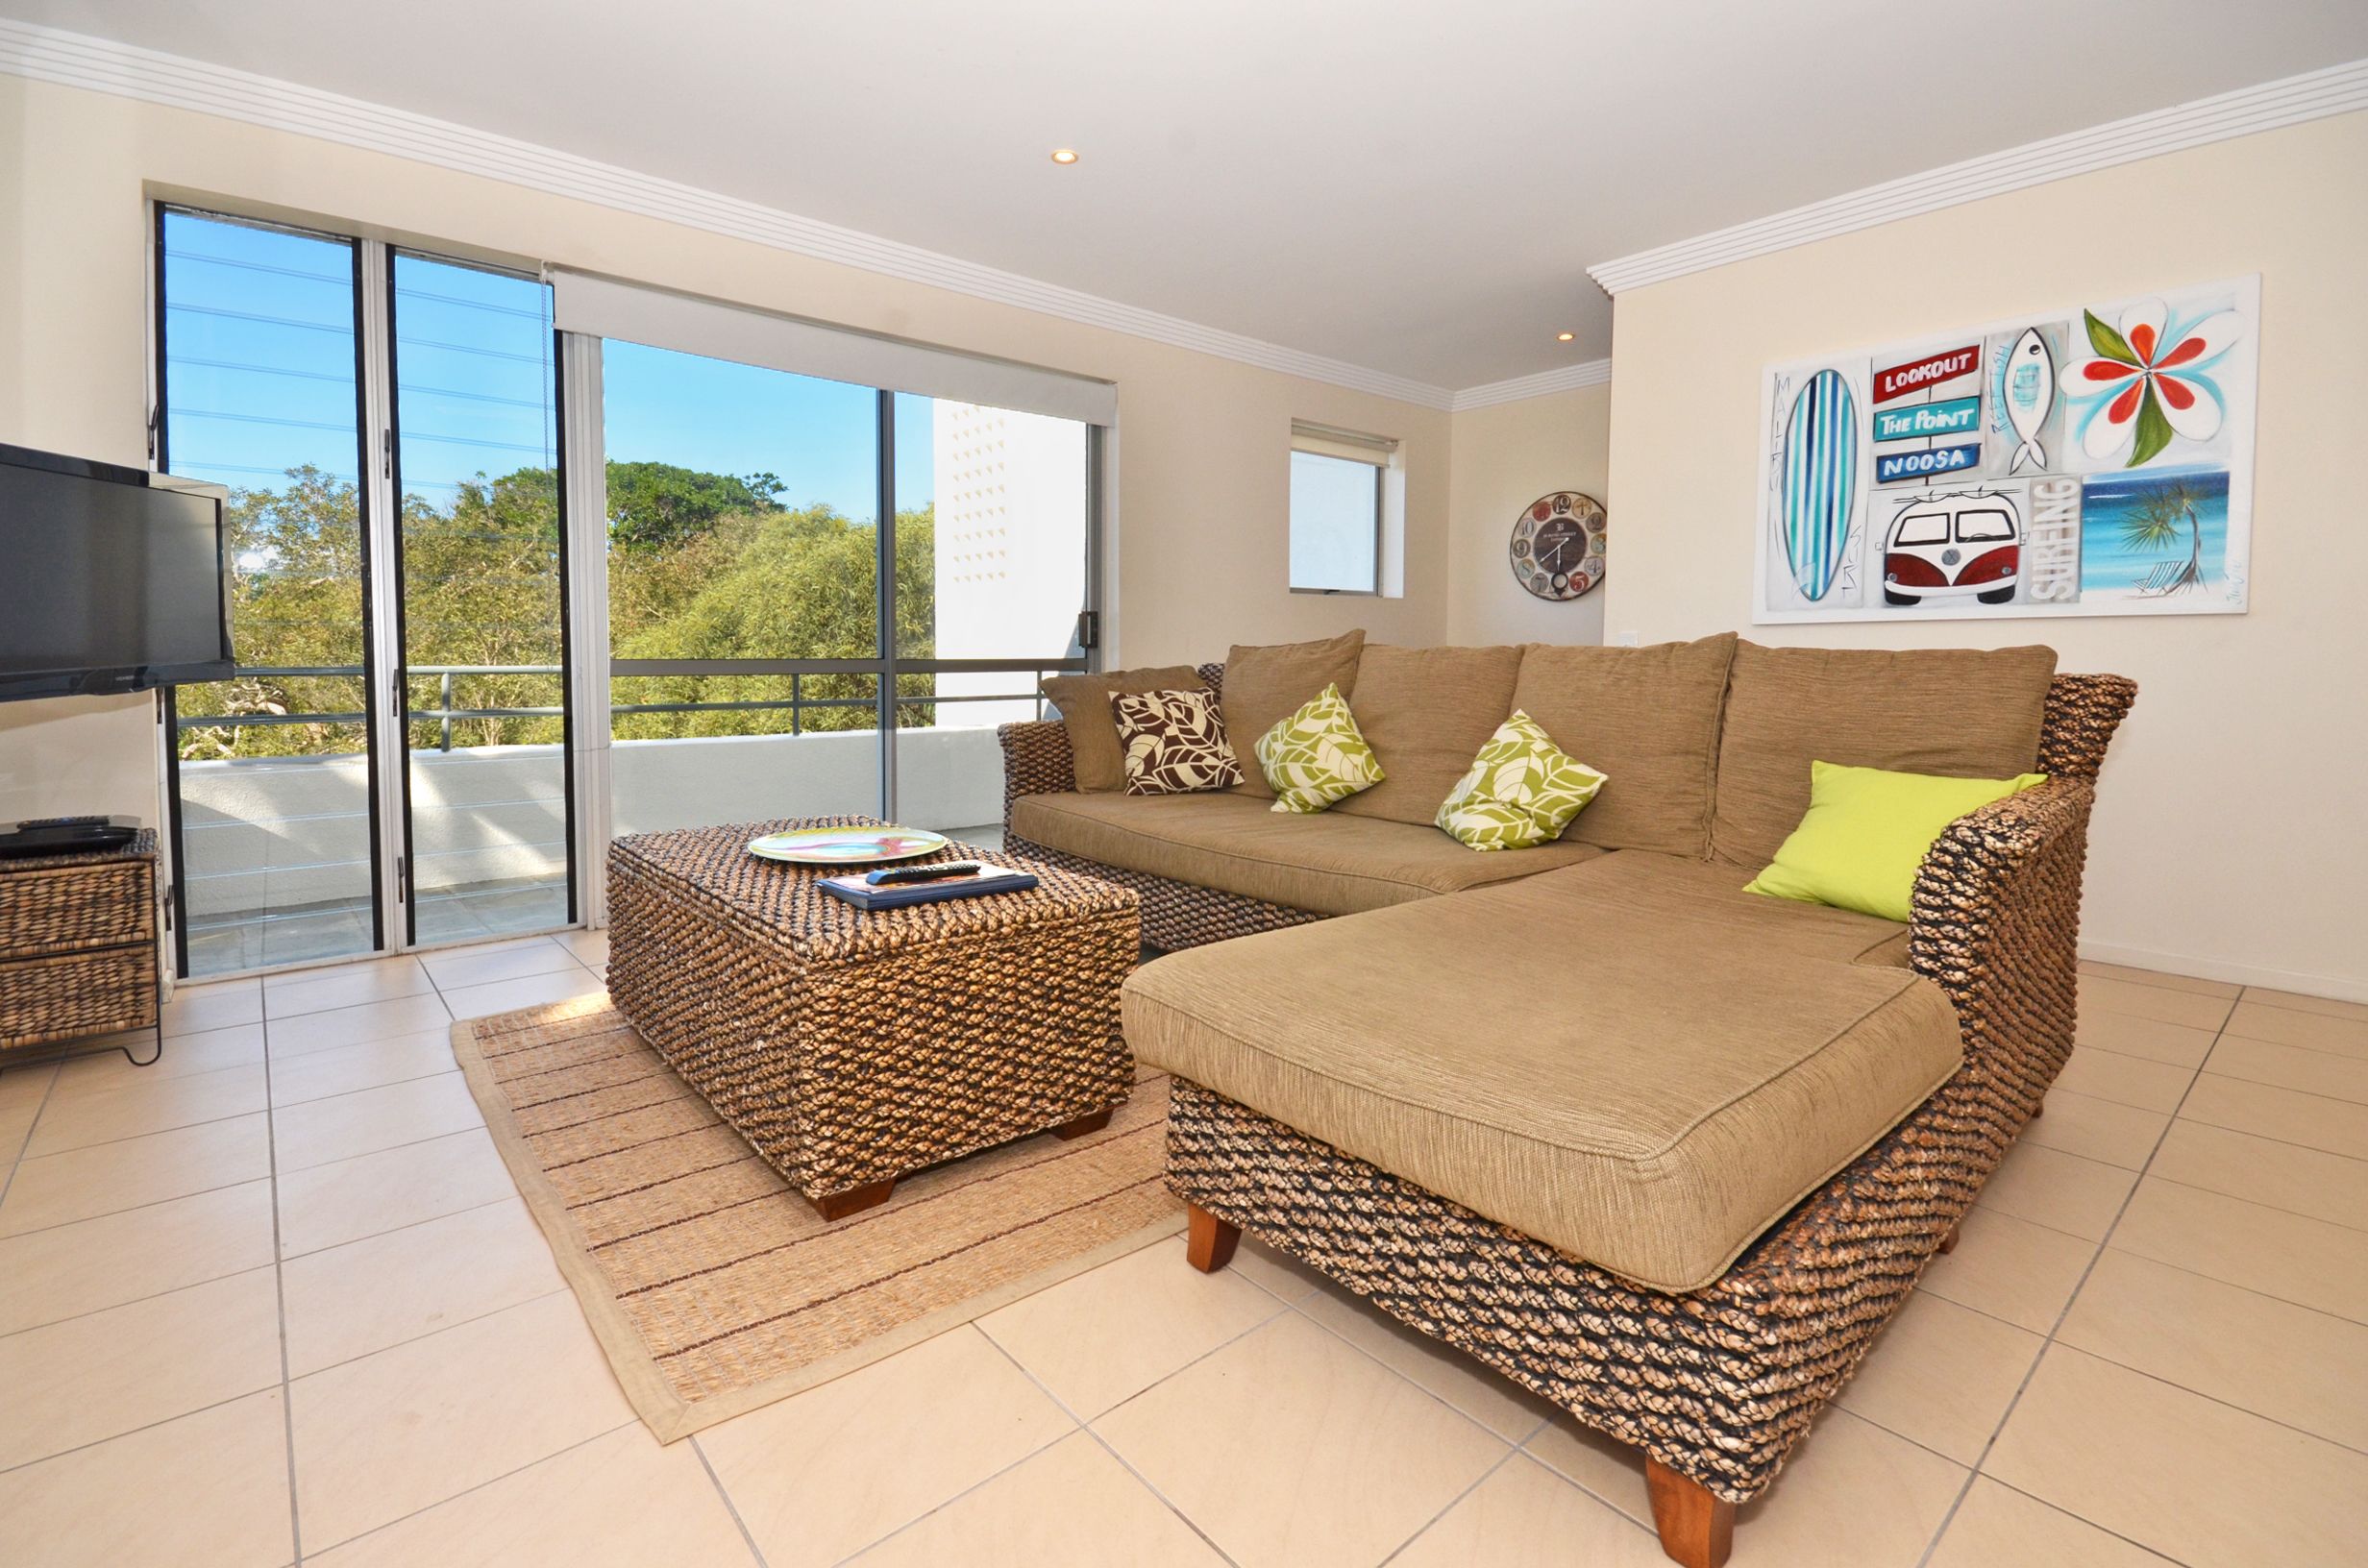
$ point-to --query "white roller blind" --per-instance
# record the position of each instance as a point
(1349, 446)
(603, 307)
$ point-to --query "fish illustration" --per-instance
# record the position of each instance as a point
(2029, 388)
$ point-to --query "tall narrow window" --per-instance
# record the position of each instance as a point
(274, 779)
(1341, 488)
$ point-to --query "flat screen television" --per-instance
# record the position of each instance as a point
(108, 582)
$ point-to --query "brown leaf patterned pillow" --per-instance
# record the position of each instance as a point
(1173, 743)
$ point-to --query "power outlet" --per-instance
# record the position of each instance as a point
(1624, 639)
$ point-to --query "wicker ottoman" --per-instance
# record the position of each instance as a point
(852, 1048)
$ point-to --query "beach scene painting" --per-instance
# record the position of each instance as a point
(2095, 459)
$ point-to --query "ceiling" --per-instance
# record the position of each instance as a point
(1412, 187)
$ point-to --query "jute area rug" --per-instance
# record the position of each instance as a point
(712, 1286)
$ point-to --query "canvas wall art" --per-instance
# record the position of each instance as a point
(2096, 460)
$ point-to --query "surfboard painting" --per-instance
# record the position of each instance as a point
(1820, 481)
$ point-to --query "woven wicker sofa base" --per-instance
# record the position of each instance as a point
(1717, 1384)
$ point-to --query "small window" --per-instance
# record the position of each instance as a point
(1923, 529)
(1987, 523)
(1342, 486)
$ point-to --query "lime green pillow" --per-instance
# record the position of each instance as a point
(1866, 832)
(1318, 755)
(1522, 790)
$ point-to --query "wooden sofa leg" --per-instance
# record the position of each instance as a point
(1210, 1245)
(2039, 1109)
(1948, 1242)
(1696, 1528)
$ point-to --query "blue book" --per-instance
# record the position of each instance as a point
(987, 880)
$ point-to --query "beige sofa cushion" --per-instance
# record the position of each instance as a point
(1710, 896)
(1084, 704)
(1264, 686)
(1646, 717)
(1969, 712)
(1328, 863)
(1426, 712)
(1540, 1059)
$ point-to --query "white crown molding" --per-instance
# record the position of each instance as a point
(2315, 96)
(76, 60)
(1567, 378)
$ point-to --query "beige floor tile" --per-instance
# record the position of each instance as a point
(1497, 1403)
(46, 1276)
(2010, 1269)
(2297, 1067)
(2175, 1044)
(1525, 1516)
(2194, 1479)
(1287, 1447)
(1105, 1336)
(1612, 1470)
(16, 1122)
(2286, 1176)
(349, 1301)
(240, 1045)
(80, 1184)
(2289, 1116)
(326, 1205)
(483, 966)
(2299, 1002)
(2065, 1192)
(830, 1471)
(344, 1026)
(197, 1008)
(1071, 1504)
(2095, 1129)
(317, 1075)
(2344, 1034)
(1851, 1496)
(590, 947)
(1997, 1527)
(23, 1086)
(2306, 1261)
(1277, 1273)
(620, 1501)
(396, 1432)
(1943, 1375)
(348, 985)
(153, 1106)
(530, 990)
(2125, 1080)
(317, 1132)
(2160, 1003)
(209, 1490)
(2159, 977)
(2303, 1368)
(107, 1373)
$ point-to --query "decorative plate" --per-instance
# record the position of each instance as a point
(1557, 548)
(847, 845)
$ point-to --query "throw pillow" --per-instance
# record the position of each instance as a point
(1084, 704)
(1174, 742)
(1266, 685)
(1317, 756)
(1866, 833)
(1521, 790)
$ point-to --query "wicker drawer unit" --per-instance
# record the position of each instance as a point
(850, 1048)
(78, 945)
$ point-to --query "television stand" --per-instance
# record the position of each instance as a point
(78, 950)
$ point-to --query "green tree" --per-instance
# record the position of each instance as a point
(2170, 507)
(658, 506)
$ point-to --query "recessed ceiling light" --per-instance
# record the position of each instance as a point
(1064, 155)
(1563, 337)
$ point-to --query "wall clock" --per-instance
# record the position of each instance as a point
(1557, 548)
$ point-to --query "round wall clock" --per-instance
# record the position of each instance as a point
(1557, 548)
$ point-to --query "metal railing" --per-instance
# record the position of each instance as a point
(444, 715)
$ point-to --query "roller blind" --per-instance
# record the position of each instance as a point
(605, 307)
(1351, 446)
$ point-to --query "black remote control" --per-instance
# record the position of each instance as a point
(922, 873)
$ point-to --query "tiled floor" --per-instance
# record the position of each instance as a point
(278, 1292)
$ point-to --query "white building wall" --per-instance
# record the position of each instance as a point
(1011, 514)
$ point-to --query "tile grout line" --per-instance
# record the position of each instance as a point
(279, 1280)
(1516, 1452)
(25, 1142)
(489, 1480)
(2048, 1343)
(724, 1495)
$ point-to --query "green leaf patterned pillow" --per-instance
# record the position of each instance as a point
(1318, 755)
(1522, 790)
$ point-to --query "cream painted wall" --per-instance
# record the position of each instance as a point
(1197, 543)
(1504, 458)
(2228, 838)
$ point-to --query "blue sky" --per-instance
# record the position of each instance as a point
(259, 340)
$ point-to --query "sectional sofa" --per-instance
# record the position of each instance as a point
(1666, 1152)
